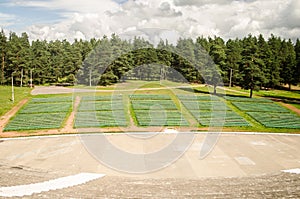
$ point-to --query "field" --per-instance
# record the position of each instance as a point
(41, 113)
(146, 108)
(267, 113)
(211, 111)
(100, 111)
(156, 110)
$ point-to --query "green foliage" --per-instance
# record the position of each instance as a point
(255, 63)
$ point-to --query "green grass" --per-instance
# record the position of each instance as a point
(5, 97)
(274, 93)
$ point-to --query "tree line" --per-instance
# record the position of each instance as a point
(252, 62)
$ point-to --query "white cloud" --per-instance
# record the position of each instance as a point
(172, 18)
(6, 19)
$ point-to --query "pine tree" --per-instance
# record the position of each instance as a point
(3, 49)
(251, 64)
(288, 63)
(272, 61)
(219, 68)
(297, 72)
(233, 58)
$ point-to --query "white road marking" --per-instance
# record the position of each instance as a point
(244, 161)
(60, 183)
(295, 171)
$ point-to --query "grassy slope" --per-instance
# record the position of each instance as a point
(5, 97)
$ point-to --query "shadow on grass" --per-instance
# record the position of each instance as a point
(211, 93)
(289, 100)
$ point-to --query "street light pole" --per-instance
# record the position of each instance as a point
(12, 88)
(90, 78)
(230, 79)
(31, 78)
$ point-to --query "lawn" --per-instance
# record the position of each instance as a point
(5, 97)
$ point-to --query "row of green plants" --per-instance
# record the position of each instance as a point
(260, 107)
(100, 111)
(211, 111)
(156, 110)
(266, 112)
(36, 121)
(219, 118)
(247, 99)
(41, 113)
(46, 108)
(100, 105)
(149, 97)
(102, 98)
(151, 110)
(160, 118)
(100, 119)
(198, 98)
(153, 104)
(277, 120)
(205, 105)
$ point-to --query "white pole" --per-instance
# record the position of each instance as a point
(31, 78)
(12, 89)
(90, 78)
(22, 77)
(230, 78)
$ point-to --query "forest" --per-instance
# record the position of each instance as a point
(252, 62)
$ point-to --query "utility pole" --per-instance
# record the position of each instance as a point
(12, 88)
(90, 78)
(22, 78)
(30, 78)
(230, 79)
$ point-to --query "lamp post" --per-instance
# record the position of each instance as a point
(30, 78)
(230, 78)
(12, 88)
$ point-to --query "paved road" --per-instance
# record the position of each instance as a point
(238, 166)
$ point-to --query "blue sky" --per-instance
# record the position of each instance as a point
(153, 19)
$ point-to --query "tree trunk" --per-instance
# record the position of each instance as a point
(290, 87)
(215, 89)
(251, 92)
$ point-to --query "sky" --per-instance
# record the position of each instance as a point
(151, 19)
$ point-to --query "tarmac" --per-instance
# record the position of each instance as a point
(157, 165)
